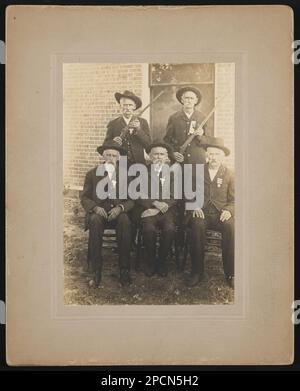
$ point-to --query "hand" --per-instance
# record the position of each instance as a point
(198, 213)
(178, 157)
(149, 212)
(114, 213)
(162, 206)
(135, 124)
(100, 211)
(225, 215)
(198, 132)
(118, 140)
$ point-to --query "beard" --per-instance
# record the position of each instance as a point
(113, 163)
(214, 164)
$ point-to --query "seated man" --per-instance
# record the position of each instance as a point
(107, 211)
(158, 212)
(217, 213)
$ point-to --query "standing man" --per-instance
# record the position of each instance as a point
(185, 122)
(129, 131)
(106, 210)
(181, 125)
(158, 212)
(217, 213)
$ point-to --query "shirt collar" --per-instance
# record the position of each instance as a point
(110, 169)
(189, 116)
(127, 120)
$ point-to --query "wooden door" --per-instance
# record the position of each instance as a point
(169, 78)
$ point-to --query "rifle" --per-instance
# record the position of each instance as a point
(134, 117)
(184, 146)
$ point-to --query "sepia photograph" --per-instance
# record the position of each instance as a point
(130, 126)
(150, 185)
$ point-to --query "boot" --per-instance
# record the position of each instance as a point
(125, 279)
(193, 279)
(162, 269)
(97, 277)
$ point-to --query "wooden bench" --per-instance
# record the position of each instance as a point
(109, 238)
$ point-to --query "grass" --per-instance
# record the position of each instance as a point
(144, 290)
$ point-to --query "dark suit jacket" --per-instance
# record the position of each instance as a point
(220, 191)
(89, 198)
(137, 142)
(143, 204)
(177, 132)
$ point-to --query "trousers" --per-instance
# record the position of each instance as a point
(198, 227)
(150, 225)
(97, 225)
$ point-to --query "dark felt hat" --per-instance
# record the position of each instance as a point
(111, 145)
(215, 142)
(129, 95)
(160, 143)
(182, 90)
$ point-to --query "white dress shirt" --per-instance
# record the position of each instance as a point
(212, 173)
(110, 168)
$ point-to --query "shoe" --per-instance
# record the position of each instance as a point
(193, 279)
(180, 264)
(230, 281)
(162, 270)
(125, 279)
(97, 277)
(149, 270)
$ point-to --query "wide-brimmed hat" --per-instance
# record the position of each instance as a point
(160, 143)
(182, 90)
(111, 145)
(215, 142)
(129, 95)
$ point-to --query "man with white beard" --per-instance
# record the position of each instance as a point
(158, 212)
(217, 213)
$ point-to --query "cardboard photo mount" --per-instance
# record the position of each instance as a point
(257, 328)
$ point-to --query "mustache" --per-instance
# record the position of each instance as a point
(161, 162)
(112, 162)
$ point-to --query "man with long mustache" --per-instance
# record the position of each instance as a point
(105, 210)
(158, 212)
(217, 213)
(137, 137)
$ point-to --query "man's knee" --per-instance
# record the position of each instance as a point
(148, 226)
(169, 226)
(96, 220)
(197, 223)
(168, 223)
(123, 220)
(228, 225)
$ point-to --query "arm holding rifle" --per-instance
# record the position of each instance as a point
(199, 130)
(141, 131)
(139, 127)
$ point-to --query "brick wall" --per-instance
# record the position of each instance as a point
(89, 105)
(224, 115)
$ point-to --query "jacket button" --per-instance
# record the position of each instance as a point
(189, 145)
(111, 206)
(188, 155)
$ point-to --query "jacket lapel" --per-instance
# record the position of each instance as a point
(220, 174)
(121, 122)
(206, 175)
